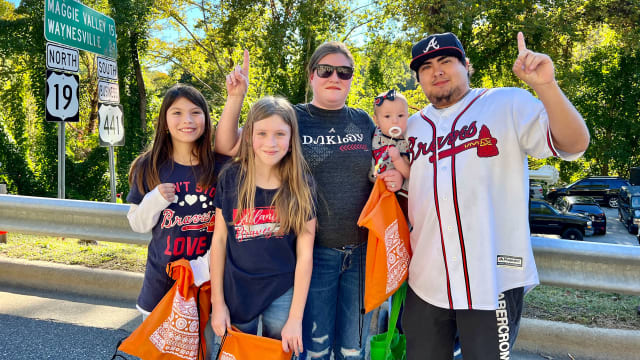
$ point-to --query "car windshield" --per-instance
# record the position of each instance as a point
(635, 201)
(591, 209)
(544, 209)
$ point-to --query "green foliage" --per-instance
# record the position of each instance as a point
(594, 45)
(607, 94)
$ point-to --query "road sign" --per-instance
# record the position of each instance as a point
(107, 69)
(62, 58)
(74, 24)
(108, 92)
(110, 125)
(62, 96)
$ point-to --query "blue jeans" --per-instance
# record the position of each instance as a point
(273, 319)
(331, 322)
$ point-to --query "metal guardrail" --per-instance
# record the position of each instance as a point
(86, 220)
(575, 264)
(588, 265)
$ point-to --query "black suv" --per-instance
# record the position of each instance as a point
(629, 207)
(585, 205)
(545, 219)
(603, 189)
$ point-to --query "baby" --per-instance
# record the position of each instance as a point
(390, 114)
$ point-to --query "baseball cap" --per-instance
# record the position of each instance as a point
(445, 44)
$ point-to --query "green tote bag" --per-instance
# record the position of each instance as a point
(391, 345)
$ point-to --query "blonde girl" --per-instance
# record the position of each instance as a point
(262, 252)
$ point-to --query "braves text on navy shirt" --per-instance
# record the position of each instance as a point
(184, 229)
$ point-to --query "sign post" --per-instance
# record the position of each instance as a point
(111, 131)
(71, 23)
(62, 104)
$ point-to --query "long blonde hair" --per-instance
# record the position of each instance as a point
(294, 200)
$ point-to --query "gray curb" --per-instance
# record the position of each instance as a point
(536, 336)
(550, 337)
(76, 279)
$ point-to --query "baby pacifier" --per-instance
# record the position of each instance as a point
(395, 131)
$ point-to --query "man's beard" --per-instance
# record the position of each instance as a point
(447, 99)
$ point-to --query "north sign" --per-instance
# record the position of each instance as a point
(62, 58)
(76, 25)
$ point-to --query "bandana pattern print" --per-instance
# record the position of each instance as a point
(397, 256)
(178, 335)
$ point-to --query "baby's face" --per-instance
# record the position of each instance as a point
(391, 115)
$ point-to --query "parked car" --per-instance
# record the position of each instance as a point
(629, 207)
(585, 205)
(536, 191)
(545, 219)
(604, 189)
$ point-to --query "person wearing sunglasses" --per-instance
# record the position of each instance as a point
(390, 147)
(468, 205)
(336, 143)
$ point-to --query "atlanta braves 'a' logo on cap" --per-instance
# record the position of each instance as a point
(433, 44)
(446, 44)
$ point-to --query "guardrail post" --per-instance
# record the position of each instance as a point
(3, 234)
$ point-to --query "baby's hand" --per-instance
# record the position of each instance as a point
(394, 153)
(168, 191)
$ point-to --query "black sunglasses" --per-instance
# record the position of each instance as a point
(390, 95)
(324, 71)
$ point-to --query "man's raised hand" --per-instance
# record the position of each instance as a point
(535, 69)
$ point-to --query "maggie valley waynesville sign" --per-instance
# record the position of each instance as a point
(76, 25)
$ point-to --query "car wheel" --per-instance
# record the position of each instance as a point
(613, 202)
(572, 234)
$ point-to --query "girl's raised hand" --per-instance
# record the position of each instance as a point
(292, 336)
(168, 191)
(238, 79)
(220, 320)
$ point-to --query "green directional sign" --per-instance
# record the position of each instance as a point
(71, 23)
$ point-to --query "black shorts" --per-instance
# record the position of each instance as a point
(484, 334)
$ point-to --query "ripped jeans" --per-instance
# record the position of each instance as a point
(331, 320)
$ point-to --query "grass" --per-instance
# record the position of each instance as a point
(104, 255)
(585, 307)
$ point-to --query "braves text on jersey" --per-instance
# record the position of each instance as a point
(468, 200)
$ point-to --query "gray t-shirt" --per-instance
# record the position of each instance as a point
(337, 147)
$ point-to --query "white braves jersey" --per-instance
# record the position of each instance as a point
(468, 196)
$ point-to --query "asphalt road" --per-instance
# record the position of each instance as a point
(616, 232)
(42, 325)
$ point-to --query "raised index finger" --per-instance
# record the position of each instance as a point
(245, 62)
(521, 45)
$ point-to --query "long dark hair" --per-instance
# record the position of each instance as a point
(144, 170)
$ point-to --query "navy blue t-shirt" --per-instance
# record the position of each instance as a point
(184, 229)
(260, 265)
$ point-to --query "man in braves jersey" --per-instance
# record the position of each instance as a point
(468, 197)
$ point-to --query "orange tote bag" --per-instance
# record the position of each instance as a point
(175, 328)
(237, 345)
(388, 246)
